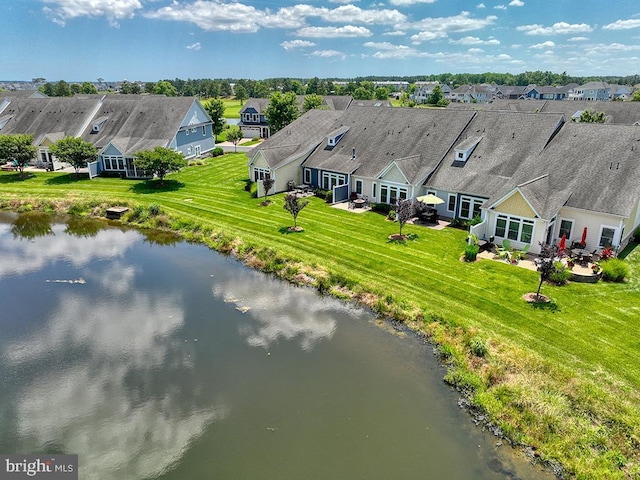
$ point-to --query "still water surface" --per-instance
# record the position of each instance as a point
(153, 359)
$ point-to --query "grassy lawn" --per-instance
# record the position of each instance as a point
(564, 378)
(232, 108)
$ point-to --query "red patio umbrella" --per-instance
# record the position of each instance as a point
(583, 242)
(563, 243)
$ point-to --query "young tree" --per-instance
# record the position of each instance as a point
(74, 151)
(267, 184)
(17, 148)
(215, 109)
(159, 162)
(404, 212)
(294, 206)
(62, 89)
(241, 93)
(436, 95)
(362, 93)
(234, 135)
(545, 264)
(282, 110)
(312, 101)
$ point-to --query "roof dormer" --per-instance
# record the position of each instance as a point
(334, 137)
(465, 149)
(98, 124)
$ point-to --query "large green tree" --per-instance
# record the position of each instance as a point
(282, 110)
(215, 109)
(74, 151)
(165, 87)
(312, 101)
(241, 93)
(88, 88)
(18, 149)
(159, 162)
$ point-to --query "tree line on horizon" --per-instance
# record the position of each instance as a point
(246, 88)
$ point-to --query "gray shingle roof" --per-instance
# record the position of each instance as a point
(382, 135)
(305, 133)
(508, 140)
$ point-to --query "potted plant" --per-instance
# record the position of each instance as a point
(595, 268)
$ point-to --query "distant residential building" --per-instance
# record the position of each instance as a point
(591, 91)
(469, 94)
(424, 90)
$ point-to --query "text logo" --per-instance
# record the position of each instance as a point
(44, 467)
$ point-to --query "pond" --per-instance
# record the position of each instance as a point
(157, 359)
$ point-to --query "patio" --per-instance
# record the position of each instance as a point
(580, 272)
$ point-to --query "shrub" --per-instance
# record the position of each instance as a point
(615, 270)
(607, 253)
(391, 215)
(383, 208)
(154, 209)
(216, 152)
(560, 274)
(326, 195)
(475, 220)
(478, 346)
(470, 252)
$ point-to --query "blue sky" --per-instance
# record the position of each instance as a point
(78, 40)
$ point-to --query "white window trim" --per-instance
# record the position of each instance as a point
(306, 176)
(614, 241)
(393, 187)
(521, 221)
(340, 179)
(361, 184)
(559, 223)
(374, 191)
(260, 173)
(472, 202)
(455, 202)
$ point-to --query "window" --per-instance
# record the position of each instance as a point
(607, 235)
(330, 180)
(197, 150)
(566, 226)
(514, 228)
(204, 131)
(469, 207)
(460, 155)
(391, 193)
(451, 205)
(374, 189)
(260, 174)
(359, 186)
(307, 176)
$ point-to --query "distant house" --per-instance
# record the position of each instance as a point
(591, 91)
(469, 94)
(118, 125)
(253, 121)
(424, 90)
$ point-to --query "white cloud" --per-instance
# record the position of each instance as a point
(475, 41)
(213, 16)
(439, 27)
(390, 50)
(577, 39)
(328, 54)
(500, 7)
(481, 5)
(406, 3)
(395, 33)
(503, 56)
(348, 31)
(343, 1)
(547, 44)
(516, 3)
(114, 10)
(196, 46)
(623, 24)
(293, 44)
(296, 16)
(475, 51)
(559, 28)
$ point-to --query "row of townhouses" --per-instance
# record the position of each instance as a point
(591, 91)
(118, 125)
(530, 177)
